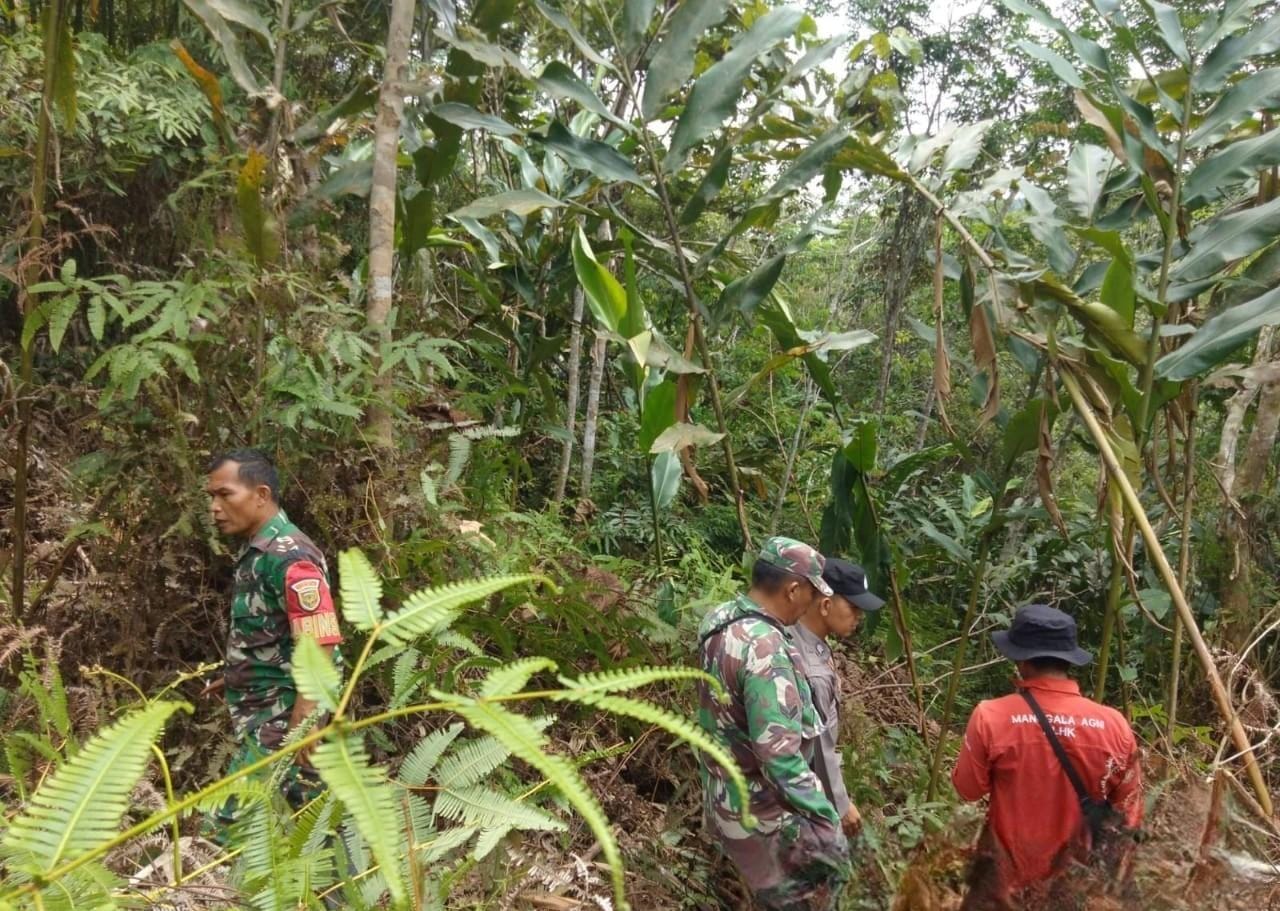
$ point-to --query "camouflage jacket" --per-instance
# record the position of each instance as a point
(763, 725)
(281, 591)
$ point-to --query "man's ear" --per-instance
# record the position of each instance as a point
(263, 492)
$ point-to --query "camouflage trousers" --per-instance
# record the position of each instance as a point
(298, 785)
(799, 865)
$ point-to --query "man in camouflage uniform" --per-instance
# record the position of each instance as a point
(281, 592)
(794, 857)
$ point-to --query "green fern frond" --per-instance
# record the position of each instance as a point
(344, 765)
(472, 761)
(432, 610)
(421, 762)
(489, 840)
(484, 807)
(81, 805)
(361, 589)
(445, 841)
(459, 455)
(402, 675)
(676, 725)
(315, 675)
(455, 639)
(511, 678)
(313, 825)
(630, 678)
(419, 818)
(527, 742)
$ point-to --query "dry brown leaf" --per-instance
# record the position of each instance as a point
(1092, 115)
(1044, 474)
(984, 357)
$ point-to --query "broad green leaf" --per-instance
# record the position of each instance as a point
(1225, 239)
(1061, 67)
(468, 118)
(359, 99)
(745, 294)
(659, 413)
(1087, 172)
(682, 435)
(360, 589)
(964, 148)
(559, 80)
(605, 296)
(519, 202)
(1258, 92)
(245, 15)
(1170, 29)
(775, 315)
(665, 479)
(561, 21)
(806, 166)
(715, 94)
(1117, 289)
(1221, 174)
(861, 448)
(217, 26)
(636, 16)
(1022, 433)
(352, 178)
(61, 312)
(345, 767)
(709, 187)
(316, 677)
(673, 62)
(1220, 335)
(601, 160)
(633, 322)
(1232, 52)
(80, 805)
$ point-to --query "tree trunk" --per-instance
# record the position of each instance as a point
(571, 398)
(903, 256)
(382, 207)
(593, 412)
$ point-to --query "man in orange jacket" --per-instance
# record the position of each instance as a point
(1036, 824)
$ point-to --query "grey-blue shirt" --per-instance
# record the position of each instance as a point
(818, 667)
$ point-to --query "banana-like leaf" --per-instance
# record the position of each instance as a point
(361, 98)
(709, 187)
(1170, 29)
(745, 294)
(1220, 335)
(1221, 241)
(596, 158)
(561, 21)
(659, 413)
(806, 166)
(605, 295)
(1060, 65)
(432, 610)
(1087, 172)
(315, 675)
(467, 117)
(681, 435)
(344, 766)
(559, 80)
(519, 202)
(526, 742)
(1233, 51)
(1219, 175)
(664, 476)
(673, 62)
(81, 804)
(1258, 92)
(360, 588)
(715, 94)
(211, 15)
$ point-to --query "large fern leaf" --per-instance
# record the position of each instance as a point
(432, 610)
(630, 678)
(445, 841)
(361, 589)
(484, 807)
(421, 761)
(528, 743)
(345, 767)
(511, 678)
(674, 724)
(472, 761)
(80, 807)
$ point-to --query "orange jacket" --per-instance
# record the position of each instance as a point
(1034, 813)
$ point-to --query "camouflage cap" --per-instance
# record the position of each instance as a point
(799, 559)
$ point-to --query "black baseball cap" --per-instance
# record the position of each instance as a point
(850, 580)
(1041, 631)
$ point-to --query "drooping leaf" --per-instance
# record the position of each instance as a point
(559, 80)
(673, 61)
(1022, 433)
(360, 589)
(1225, 239)
(715, 94)
(314, 674)
(1061, 67)
(353, 178)
(468, 118)
(519, 202)
(565, 24)
(259, 225)
(1221, 174)
(634, 321)
(81, 804)
(709, 187)
(745, 294)
(804, 168)
(209, 85)
(359, 99)
(1257, 92)
(599, 159)
(605, 296)
(1220, 335)
(1087, 172)
(1233, 51)
(665, 478)
(218, 27)
(681, 435)
(1170, 29)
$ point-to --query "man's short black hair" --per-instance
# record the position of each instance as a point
(255, 468)
(769, 578)
(1049, 663)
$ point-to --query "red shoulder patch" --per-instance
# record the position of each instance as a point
(309, 603)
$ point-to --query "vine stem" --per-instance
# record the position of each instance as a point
(1184, 560)
(1156, 554)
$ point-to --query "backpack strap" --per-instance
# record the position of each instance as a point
(1082, 793)
(753, 615)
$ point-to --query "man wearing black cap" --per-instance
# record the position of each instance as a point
(1035, 822)
(838, 615)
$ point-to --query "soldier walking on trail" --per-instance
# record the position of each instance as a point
(281, 592)
(795, 856)
(1062, 771)
(838, 616)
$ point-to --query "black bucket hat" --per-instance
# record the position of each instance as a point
(849, 579)
(1041, 631)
